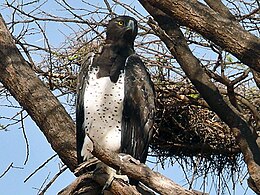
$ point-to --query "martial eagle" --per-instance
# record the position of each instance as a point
(115, 97)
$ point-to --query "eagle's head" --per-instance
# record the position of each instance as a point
(123, 30)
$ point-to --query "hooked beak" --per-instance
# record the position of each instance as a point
(131, 26)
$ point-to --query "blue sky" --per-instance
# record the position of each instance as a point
(12, 143)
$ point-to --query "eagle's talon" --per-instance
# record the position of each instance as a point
(112, 176)
(108, 183)
(129, 158)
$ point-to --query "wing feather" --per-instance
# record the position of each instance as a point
(138, 111)
(82, 83)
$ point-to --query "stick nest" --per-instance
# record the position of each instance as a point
(186, 127)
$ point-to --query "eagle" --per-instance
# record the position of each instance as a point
(115, 96)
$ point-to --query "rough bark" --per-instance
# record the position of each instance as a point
(246, 138)
(88, 184)
(219, 7)
(222, 31)
(43, 107)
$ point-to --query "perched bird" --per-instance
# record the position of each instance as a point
(115, 97)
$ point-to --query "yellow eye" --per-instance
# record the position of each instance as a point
(120, 23)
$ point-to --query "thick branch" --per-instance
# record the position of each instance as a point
(140, 172)
(91, 184)
(222, 31)
(82, 185)
(219, 7)
(44, 108)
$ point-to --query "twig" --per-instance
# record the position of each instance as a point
(53, 180)
(8, 168)
(45, 180)
(26, 140)
(41, 166)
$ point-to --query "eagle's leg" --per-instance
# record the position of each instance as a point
(111, 175)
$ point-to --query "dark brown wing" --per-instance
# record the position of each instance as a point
(138, 111)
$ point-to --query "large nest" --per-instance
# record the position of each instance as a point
(186, 127)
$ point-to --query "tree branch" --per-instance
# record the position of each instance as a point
(43, 107)
(223, 32)
(140, 172)
(219, 7)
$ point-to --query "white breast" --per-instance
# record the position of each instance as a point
(103, 105)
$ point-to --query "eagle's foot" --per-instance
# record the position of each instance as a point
(129, 158)
(113, 175)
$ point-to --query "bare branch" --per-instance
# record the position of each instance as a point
(41, 166)
(26, 139)
(7, 169)
(52, 180)
(197, 16)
